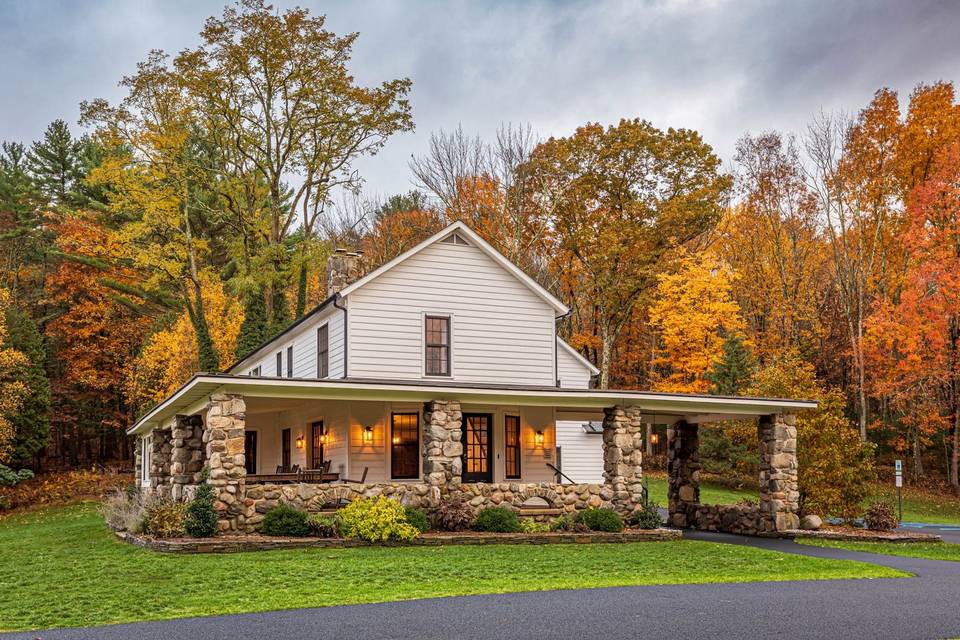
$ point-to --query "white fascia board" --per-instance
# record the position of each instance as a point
(576, 354)
(202, 385)
(481, 244)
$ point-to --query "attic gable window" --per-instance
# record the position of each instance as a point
(437, 342)
(455, 238)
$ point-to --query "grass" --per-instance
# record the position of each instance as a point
(919, 505)
(928, 550)
(62, 567)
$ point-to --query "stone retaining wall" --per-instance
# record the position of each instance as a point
(550, 499)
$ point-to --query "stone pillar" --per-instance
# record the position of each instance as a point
(137, 453)
(623, 456)
(779, 491)
(442, 446)
(683, 472)
(160, 480)
(224, 439)
(187, 457)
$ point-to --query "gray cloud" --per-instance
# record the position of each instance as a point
(722, 67)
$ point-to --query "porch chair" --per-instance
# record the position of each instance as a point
(363, 477)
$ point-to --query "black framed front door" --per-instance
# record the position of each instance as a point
(477, 447)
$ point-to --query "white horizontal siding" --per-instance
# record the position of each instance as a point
(303, 339)
(502, 331)
(571, 372)
(581, 454)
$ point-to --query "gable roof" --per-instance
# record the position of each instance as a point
(477, 241)
(578, 356)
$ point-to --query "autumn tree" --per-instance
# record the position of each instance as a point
(621, 200)
(692, 312)
(275, 94)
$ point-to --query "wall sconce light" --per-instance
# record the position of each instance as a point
(324, 438)
(300, 441)
(654, 438)
(368, 435)
(538, 438)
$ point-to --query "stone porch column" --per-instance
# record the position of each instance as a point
(623, 456)
(223, 435)
(160, 462)
(186, 459)
(442, 444)
(779, 492)
(683, 472)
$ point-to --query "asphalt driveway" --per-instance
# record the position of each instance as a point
(926, 606)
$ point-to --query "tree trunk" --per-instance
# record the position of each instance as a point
(606, 354)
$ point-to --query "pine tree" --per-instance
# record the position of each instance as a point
(31, 423)
(281, 314)
(55, 163)
(253, 331)
(735, 369)
(201, 520)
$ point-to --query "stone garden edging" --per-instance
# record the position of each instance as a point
(233, 544)
(864, 536)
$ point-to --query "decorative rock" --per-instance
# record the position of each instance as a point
(811, 522)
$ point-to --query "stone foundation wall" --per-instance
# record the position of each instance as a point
(559, 499)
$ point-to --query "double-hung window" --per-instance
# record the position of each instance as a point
(279, 364)
(437, 345)
(290, 361)
(404, 446)
(323, 352)
(146, 459)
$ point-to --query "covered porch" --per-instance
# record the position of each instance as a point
(266, 441)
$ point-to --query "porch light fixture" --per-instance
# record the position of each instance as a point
(654, 438)
(301, 441)
(538, 438)
(368, 435)
(324, 438)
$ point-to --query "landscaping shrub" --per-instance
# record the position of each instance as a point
(568, 523)
(165, 518)
(601, 520)
(880, 517)
(284, 520)
(324, 525)
(529, 525)
(202, 518)
(11, 478)
(418, 519)
(453, 514)
(376, 520)
(646, 517)
(126, 511)
(497, 520)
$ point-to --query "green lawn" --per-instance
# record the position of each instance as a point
(62, 567)
(929, 550)
(709, 493)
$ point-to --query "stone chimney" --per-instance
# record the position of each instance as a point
(343, 269)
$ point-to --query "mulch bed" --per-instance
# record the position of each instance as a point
(850, 534)
(256, 542)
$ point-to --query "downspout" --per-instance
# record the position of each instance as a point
(345, 352)
(556, 347)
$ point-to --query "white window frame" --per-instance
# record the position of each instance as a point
(146, 459)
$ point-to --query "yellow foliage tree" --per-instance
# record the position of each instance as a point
(169, 357)
(692, 312)
(12, 392)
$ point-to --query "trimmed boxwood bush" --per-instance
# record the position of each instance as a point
(376, 520)
(498, 520)
(201, 520)
(418, 519)
(601, 520)
(284, 520)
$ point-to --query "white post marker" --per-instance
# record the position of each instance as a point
(898, 479)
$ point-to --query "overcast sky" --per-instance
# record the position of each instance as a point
(723, 68)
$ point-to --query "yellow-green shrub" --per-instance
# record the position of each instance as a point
(377, 520)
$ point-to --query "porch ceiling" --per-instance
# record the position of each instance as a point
(692, 407)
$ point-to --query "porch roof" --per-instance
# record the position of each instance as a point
(693, 408)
